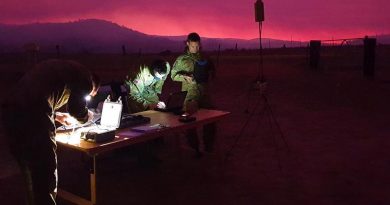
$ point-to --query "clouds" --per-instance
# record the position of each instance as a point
(302, 19)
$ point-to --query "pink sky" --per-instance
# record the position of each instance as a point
(284, 19)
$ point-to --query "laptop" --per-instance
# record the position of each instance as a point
(111, 114)
(109, 119)
(174, 103)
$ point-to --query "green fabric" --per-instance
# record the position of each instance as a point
(144, 89)
(184, 64)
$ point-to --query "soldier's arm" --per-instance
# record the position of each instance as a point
(177, 73)
(136, 92)
(137, 88)
(158, 86)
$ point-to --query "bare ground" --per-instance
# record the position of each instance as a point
(333, 120)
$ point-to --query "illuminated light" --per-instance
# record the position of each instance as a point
(69, 138)
(87, 98)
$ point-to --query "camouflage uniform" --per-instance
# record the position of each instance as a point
(144, 89)
(197, 92)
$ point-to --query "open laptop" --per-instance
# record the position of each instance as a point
(111, 118)
(174, 103)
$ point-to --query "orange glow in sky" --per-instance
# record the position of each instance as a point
(284, 19)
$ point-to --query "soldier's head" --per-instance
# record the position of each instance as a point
(159, 69)
(193, 42)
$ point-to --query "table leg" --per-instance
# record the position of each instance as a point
(93, 180)
(77, 199)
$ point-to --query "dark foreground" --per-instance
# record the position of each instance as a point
(335, 123)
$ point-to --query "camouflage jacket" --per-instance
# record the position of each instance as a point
(183, 65)
(144, 89)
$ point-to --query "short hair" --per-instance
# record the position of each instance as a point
(194, 37)
(159, 66)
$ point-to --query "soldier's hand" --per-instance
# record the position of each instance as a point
(65, 118)
(189, 78)
(161, 105)
(90, 115)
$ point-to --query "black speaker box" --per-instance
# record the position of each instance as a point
(259, 11)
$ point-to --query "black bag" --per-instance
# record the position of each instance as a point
(201, 71)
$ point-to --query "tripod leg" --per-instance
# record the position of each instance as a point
(275, 122)
(241, 132)
(256, 127)
(248, 101)
(273, 137)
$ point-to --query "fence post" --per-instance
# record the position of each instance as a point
(369, 57)
(124, 50)
(315, 47)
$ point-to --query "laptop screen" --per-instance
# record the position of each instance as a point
(176, 100)
(111, 114)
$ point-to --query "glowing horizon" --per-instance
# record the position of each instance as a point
(300, 20)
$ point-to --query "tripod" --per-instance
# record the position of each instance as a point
(261, 109)
(259, 87)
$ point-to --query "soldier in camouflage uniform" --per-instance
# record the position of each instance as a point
(144, 88)
(197, 91)
(146, 85)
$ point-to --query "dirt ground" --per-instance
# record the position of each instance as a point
(330, 147)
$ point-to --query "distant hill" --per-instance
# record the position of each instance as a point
(81, 36)
(100, 36)
(383, 39)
